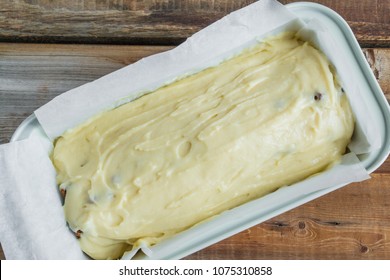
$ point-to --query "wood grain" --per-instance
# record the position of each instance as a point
(358, 229)
(379, 60)
(31, 75)
(157, 21)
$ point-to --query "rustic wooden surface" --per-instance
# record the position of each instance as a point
(156, 21)
(351, 223)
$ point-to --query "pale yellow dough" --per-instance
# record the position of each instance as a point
(269, 117)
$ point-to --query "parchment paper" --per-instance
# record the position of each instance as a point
(32, 224)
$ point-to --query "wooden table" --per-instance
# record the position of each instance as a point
(50, 46)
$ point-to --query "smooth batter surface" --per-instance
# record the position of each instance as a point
(144, 171)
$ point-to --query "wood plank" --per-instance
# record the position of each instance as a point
(31, 74)
(156, 21)
(379, 60)
(358, 229)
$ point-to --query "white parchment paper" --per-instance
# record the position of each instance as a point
(30, 205)
(32, 224)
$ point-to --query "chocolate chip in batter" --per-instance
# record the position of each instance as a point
(317, 96)
(63, 192)
(78, 234)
